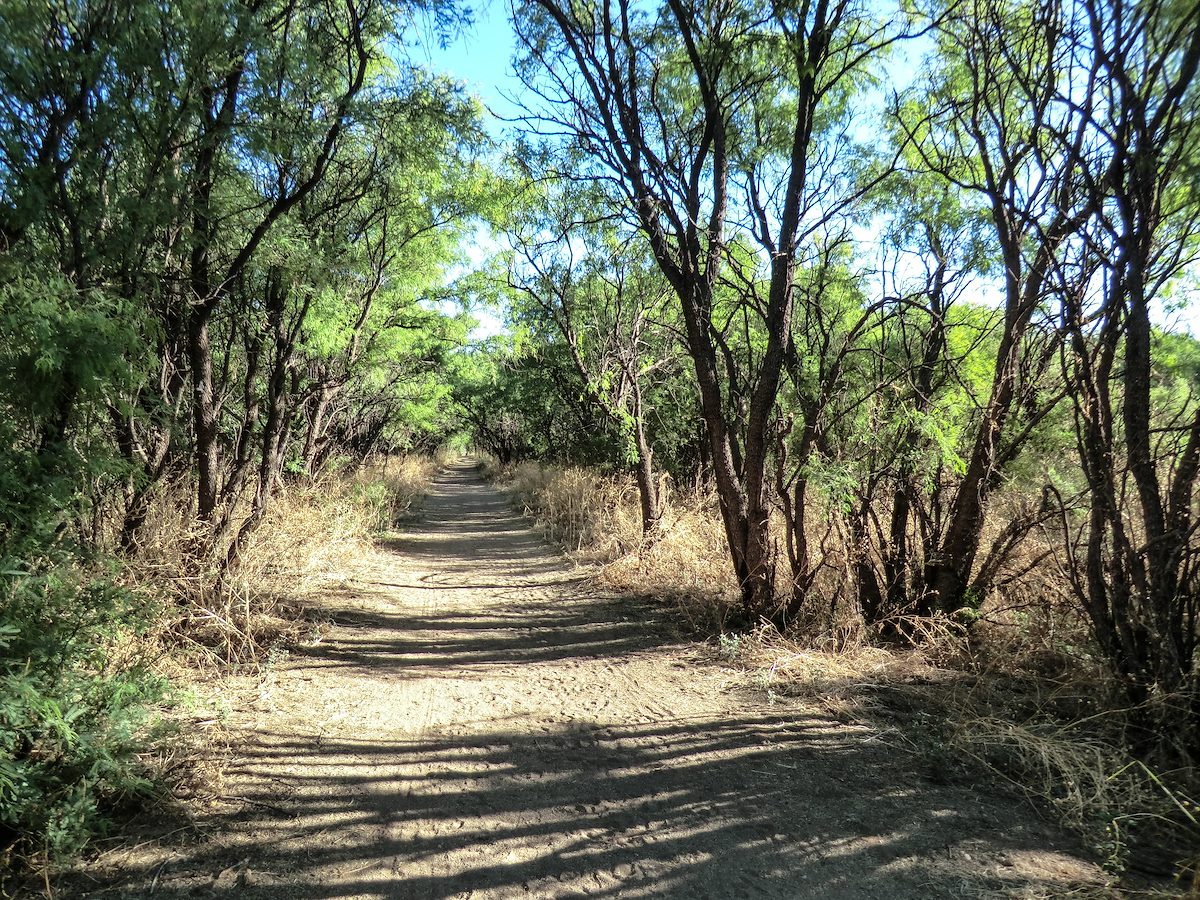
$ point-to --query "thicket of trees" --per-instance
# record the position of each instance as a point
(218, 222)
(903, 327)
(907, 330)
(221, 224)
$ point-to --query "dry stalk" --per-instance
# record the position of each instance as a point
(314, 535)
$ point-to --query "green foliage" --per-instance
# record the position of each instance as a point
(528, 405)
(241, 212)
(61, 354)
(77, 704)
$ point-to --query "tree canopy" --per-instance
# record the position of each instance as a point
(909, 332)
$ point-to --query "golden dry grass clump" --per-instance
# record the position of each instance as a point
(597, 516)
(398, 483)
(583, 511)
(315, 534)
(684, 559)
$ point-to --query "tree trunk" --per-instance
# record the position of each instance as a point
(647, 486)
(948, 570)
(746, 535)
(208, 459)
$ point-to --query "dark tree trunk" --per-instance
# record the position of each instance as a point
(206, 432)
(644, 472)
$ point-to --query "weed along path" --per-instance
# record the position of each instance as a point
(481, 721)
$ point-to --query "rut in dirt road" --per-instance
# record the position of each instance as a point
(482, 721)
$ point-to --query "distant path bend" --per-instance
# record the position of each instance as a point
(482, 722)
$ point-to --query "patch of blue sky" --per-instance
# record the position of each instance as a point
(481, 57)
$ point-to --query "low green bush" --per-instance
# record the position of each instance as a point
(77, 705)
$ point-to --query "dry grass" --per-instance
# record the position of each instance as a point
(403, 480)
(310, 538)
(586, 513)
(1129, 812)
(598, 517)
(313, 535)
(684, 560)
(850, 681)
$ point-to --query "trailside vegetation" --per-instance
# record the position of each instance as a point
(225, 229)
(917, 318)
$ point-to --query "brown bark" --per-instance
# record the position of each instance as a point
(678, 186)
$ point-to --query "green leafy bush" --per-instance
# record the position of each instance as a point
(76, 705)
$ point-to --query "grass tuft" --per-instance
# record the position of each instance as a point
(682, 559)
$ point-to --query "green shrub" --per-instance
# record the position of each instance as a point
(77, 704)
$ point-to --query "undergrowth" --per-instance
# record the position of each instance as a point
(94, 656)
(314, 535)
(78, 706)
(392, 486)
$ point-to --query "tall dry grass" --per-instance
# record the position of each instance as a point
(314, 535)
(395, 485)
(584, 512)
(1133, 816)
(683, 559)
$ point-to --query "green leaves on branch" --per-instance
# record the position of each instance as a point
(76, 705)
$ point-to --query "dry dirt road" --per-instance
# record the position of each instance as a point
(481, 721)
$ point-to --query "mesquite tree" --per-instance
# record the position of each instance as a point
(1135, 562)
(989, 125)
(1075, 125)
(603, 300)
(708, 123)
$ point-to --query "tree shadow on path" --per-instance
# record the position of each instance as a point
(720, 808)
(719, 800)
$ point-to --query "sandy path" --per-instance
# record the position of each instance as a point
(481, 722)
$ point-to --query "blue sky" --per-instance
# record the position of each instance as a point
(481, 57)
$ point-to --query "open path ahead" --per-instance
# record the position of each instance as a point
(481, 721)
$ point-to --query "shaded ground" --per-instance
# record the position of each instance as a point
(482, 722)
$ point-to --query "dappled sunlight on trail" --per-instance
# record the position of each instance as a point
(482, 721)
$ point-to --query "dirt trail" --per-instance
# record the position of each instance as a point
(481, 721)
